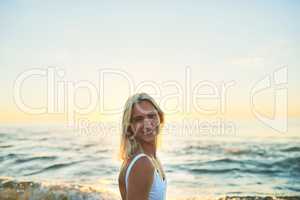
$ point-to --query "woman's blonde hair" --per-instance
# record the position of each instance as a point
(128, 144)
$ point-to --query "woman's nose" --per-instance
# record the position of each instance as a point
(148, 123)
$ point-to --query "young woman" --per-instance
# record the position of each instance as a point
(141, 176)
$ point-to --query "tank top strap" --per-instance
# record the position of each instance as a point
(131, 165)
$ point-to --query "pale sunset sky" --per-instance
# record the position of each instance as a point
(164, 45)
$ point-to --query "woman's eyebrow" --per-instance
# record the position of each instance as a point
(151, 113)
(145, 113)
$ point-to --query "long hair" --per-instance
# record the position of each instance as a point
(128, 143)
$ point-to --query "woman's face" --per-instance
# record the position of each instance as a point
(145, 122)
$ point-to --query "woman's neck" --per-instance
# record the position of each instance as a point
(149, 149)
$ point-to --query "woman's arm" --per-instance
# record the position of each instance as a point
(122, 185)
(140, 180)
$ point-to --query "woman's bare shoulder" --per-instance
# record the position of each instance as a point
(143, 168)
(143, 164)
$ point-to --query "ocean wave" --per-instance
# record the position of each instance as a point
(227, 161)
(291, 149)
(289, 161)
(250, 166)
(238, 170)
(291, 164)
(237, 151)
(6, 146)
(24, 160)
(54, 167)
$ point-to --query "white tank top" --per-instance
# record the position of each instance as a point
(159, 186)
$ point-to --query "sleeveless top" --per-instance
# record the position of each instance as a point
(159, 186)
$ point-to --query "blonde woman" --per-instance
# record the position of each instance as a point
(141, 176)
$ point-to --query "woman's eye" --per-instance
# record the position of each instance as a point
(152, 116)
(138, 119)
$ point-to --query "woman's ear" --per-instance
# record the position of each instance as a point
(158, 121)
(161, 118)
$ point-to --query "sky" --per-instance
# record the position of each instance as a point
(187, 49)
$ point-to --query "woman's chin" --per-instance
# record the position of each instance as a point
(149, 137)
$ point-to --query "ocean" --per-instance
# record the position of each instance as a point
(59, 163)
